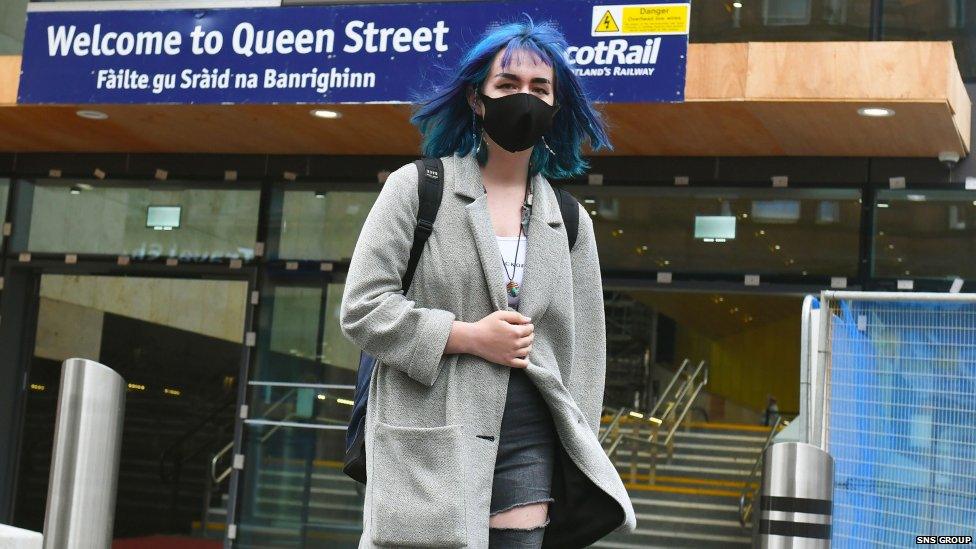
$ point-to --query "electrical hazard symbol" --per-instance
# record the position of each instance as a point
(607, 23)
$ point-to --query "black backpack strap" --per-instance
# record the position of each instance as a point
(569, 207)
(430, 188)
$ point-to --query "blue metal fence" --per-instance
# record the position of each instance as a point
(902, 420)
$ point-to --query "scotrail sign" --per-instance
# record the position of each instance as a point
(133, 52)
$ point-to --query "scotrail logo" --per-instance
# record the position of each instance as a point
(617, 53)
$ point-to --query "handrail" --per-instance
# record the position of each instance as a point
(677, 400)
(745, 510)
(223, 451)
(179, 442)
(216, 458)
(672, 403)
(677, 422)
(667, 390)
(213, 464)
(652, 415)
(613, 423)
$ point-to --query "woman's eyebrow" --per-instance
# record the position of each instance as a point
(536, 80)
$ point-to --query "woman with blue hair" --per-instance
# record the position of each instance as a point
(485, 405)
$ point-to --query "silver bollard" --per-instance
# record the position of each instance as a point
(85, 459)
(796, 500)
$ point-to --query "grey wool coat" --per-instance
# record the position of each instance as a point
(433, 419)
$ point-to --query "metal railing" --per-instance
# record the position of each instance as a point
(747, 498)
(217, 479)
(669, 413)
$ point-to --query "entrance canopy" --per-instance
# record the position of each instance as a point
(741, 99)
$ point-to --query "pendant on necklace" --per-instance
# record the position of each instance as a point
(513, 288)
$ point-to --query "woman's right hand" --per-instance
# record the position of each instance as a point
(504, 337)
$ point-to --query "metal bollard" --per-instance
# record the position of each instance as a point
(85, 460)
(796, 499)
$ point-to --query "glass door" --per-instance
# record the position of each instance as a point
(293, 492)
(179, 345)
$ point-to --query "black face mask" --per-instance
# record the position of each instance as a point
(516, 121)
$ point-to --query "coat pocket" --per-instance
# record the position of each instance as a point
(418, 486)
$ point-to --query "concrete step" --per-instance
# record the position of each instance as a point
(687, 455)
(646, 504)
(695, 447)
(730, 473)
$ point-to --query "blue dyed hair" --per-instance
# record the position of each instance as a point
(447, 123)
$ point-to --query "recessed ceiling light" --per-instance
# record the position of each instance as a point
(736, 4)
(325, 113)
(92, 115)
(875, 111)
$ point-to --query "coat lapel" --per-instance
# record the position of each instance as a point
(543, 240)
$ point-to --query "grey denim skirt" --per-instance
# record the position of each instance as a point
(526, 447)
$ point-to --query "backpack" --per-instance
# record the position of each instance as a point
(430, 189)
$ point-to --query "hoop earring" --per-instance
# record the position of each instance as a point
(544, 142)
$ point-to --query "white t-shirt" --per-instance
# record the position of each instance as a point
(506, 245)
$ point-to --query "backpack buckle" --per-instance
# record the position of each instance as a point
(426, 226)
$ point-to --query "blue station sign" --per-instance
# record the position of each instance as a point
(359, 53)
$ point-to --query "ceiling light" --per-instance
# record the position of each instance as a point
(325, 113)
(875, 111)
(916, 197)
(737, 5)
(92, 115)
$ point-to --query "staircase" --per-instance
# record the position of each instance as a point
(685, 495)
(273, 517)
(692, 503)
(694, 499)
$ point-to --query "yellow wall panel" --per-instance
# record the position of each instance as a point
(747, 366)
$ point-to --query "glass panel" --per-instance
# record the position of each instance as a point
(177, 343)
(780, 20)
(304, 342)
(322, 225)
(934, 20)
(295, 494)
(100, 218)
(317, 404)
(796, 231)
(924, 234)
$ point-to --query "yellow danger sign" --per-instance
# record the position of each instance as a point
(607, 24)
(631, 19)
